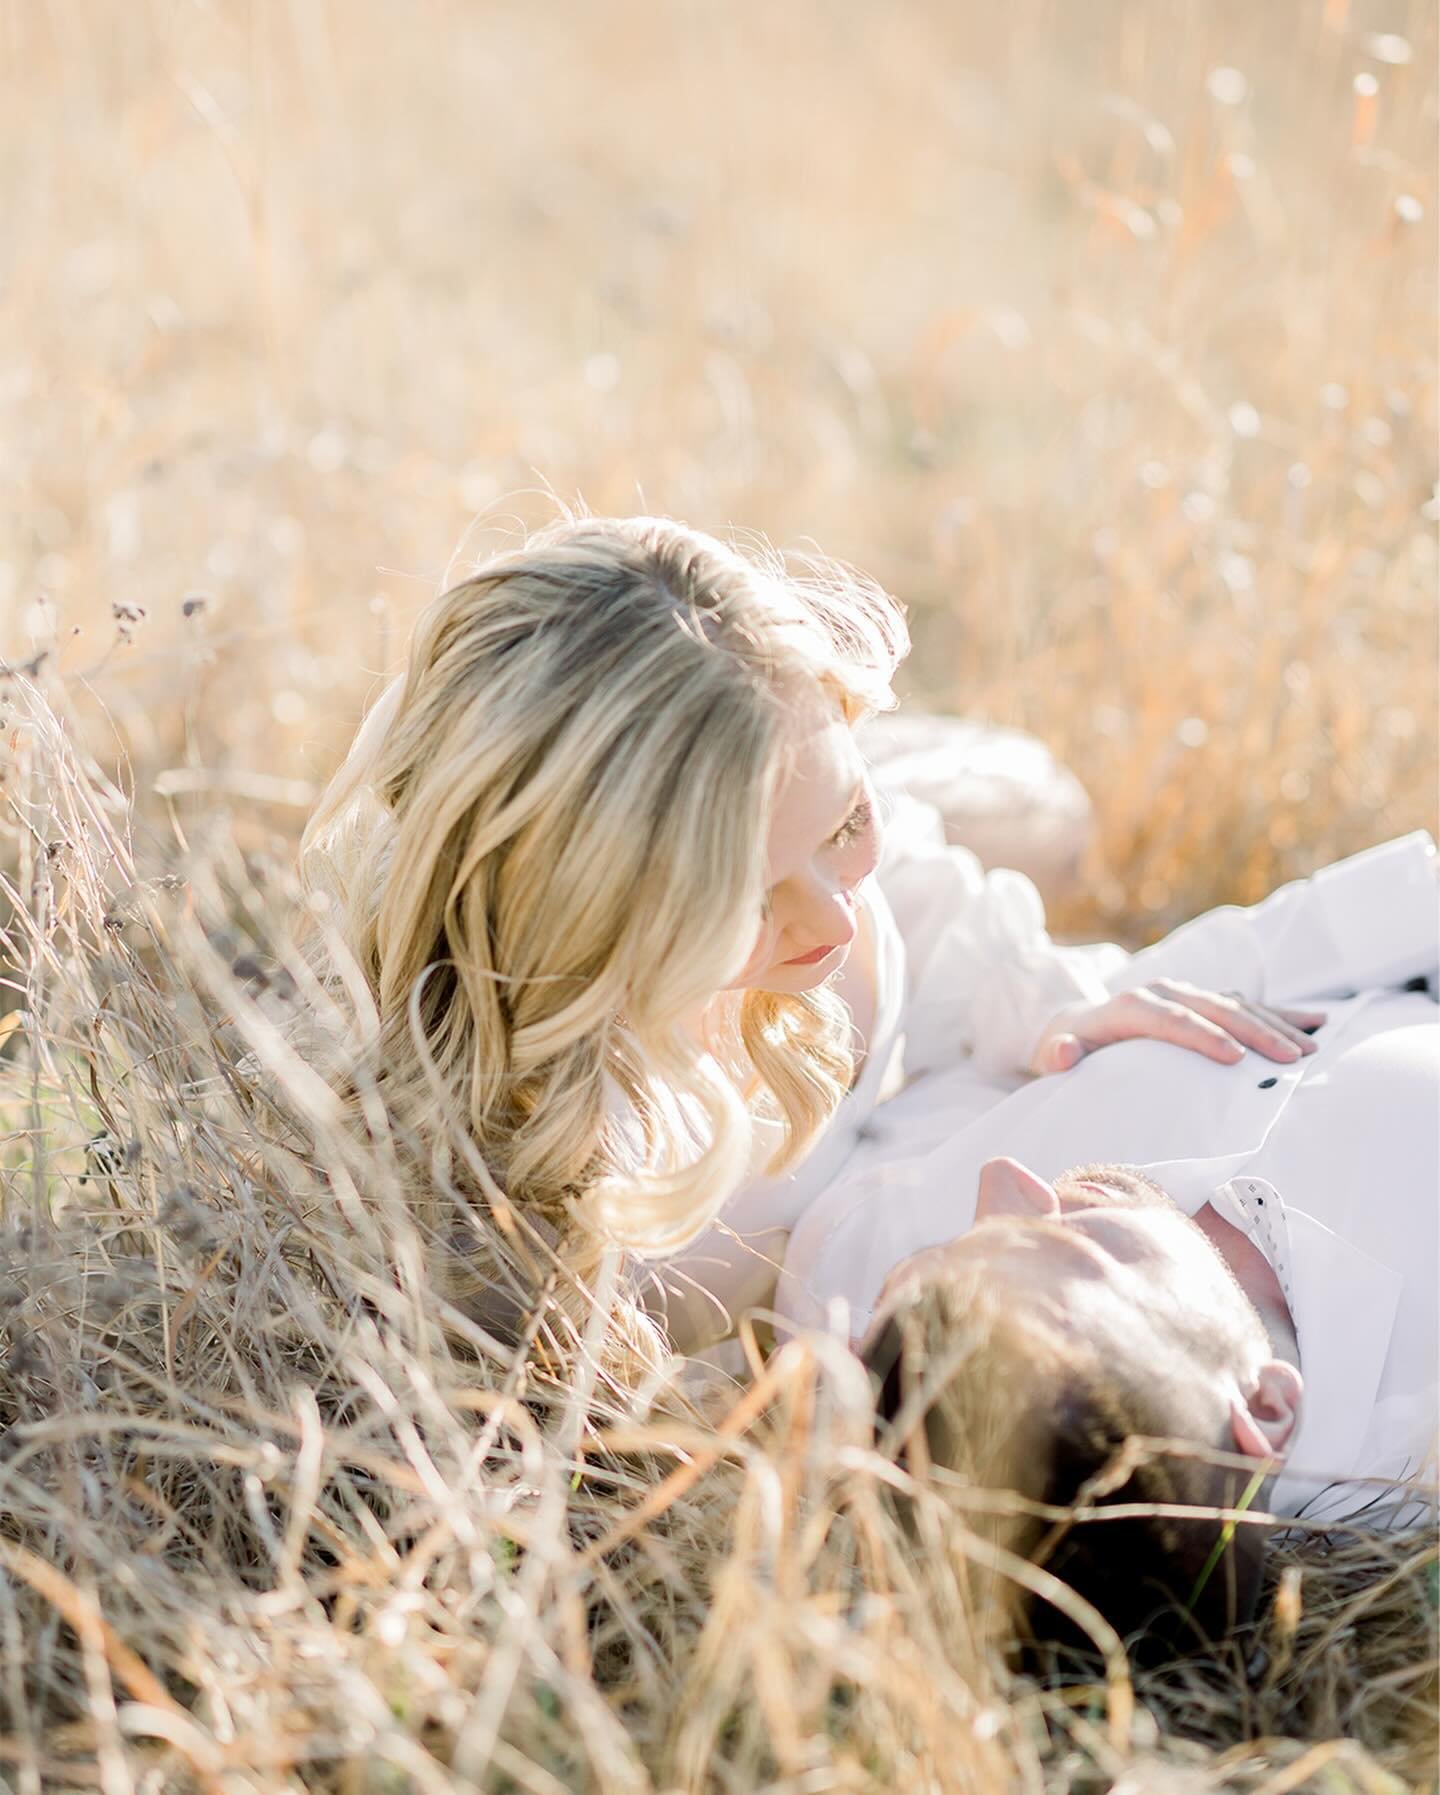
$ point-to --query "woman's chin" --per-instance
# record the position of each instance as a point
(789, 978)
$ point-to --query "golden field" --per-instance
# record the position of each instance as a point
(1103, 335)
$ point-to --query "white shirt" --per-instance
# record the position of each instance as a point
(1343, 1144)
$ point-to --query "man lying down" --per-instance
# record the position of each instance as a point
(1157, 1246)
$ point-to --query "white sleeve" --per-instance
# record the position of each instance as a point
(984, 975)
(1361, 924)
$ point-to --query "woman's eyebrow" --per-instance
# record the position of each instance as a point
(861, 786)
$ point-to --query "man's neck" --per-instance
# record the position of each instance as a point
(1256, 1277)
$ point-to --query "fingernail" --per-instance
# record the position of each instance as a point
(1289, 1051)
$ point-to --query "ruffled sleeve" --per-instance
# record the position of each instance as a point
(984, 977)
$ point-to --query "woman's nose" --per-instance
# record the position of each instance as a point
(826, 916)
(1008, 1188)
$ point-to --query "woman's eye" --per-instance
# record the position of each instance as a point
(854, 825)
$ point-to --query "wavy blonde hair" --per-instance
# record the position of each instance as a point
(546, 855)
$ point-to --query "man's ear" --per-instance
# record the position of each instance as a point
(1264, 1422)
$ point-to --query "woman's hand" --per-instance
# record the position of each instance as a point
(1203, 1021)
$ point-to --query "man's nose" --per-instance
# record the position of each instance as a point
(1008, 1188)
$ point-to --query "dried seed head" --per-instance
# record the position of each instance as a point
(25, 1358)
(248, 969)
(177, 1202)
(106, 1296)
(187, 1219)
(1288, 1603)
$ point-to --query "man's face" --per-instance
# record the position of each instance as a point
(1105, 1256)
(1102, 1272)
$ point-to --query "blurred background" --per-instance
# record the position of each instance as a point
(1103, 335)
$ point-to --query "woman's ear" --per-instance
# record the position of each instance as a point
(1264, 1422)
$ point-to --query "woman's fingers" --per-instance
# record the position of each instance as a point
(1221, 1027)
(1295, 1025)
(1268, 1032)
(1060, 1053)
(1163, 1018)
(1307, 1021)
(1282, 1024)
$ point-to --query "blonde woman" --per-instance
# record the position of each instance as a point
(604, 859)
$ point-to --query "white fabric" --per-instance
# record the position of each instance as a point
(1352, 1177)
(999, 791)
(1356, 925)
(1347, 1138)
(965, 976)
(984, 975)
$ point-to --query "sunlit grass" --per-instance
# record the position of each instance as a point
(1104, 336)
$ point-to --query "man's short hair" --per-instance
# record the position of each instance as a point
(999, 1399)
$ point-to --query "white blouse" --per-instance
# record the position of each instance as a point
(962, 969)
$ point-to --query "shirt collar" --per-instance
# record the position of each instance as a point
(1343, 1304)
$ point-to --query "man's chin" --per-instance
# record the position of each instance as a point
(1087, 1187)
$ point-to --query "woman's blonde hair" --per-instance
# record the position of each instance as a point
(546, 855)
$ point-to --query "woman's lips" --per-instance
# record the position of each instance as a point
(814, 957)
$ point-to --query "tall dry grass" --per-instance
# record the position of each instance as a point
(278, 1517)
(1105, 336)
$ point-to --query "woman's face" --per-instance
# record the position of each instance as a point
(824, 842)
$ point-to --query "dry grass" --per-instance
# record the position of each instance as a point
(1104, 335)
(277, 1516)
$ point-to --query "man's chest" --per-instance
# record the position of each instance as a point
(1357, 1144)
